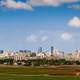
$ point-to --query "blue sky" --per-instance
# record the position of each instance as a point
(41, 23)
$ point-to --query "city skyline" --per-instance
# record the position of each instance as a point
(28, 24)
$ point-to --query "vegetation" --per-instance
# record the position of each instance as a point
(39, 62)
(19, 77)
(39, 73)
(45, 62)
(54, 70)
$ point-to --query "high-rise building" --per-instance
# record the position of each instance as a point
(40, 50)
(24, 51)
(52, 50)
(1, 51)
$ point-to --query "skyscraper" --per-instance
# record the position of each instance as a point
(52, 50)
(40, 50)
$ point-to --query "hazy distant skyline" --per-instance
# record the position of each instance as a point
(28, 24)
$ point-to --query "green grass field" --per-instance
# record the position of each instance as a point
(22, 77)
(38, 73)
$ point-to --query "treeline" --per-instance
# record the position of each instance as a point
(38, 62)
(44, 62)
(7, 61)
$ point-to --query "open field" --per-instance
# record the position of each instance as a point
(39, 73)
(54, 70)
(18, 77)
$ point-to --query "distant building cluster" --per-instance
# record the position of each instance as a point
(40, 54)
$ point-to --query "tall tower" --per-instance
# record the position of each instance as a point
(52, 50)
(40, 50)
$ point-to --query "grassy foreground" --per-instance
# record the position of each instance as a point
(57, 70)
(39, 73)
(22, 77)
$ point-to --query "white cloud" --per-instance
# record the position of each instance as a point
(50, 2)
(28, 5)
(74, 7)
(36, 38)
(44, 38)
(16, 5)
(66, 36)
(31, 38)
(44, 2)
(75, 22)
